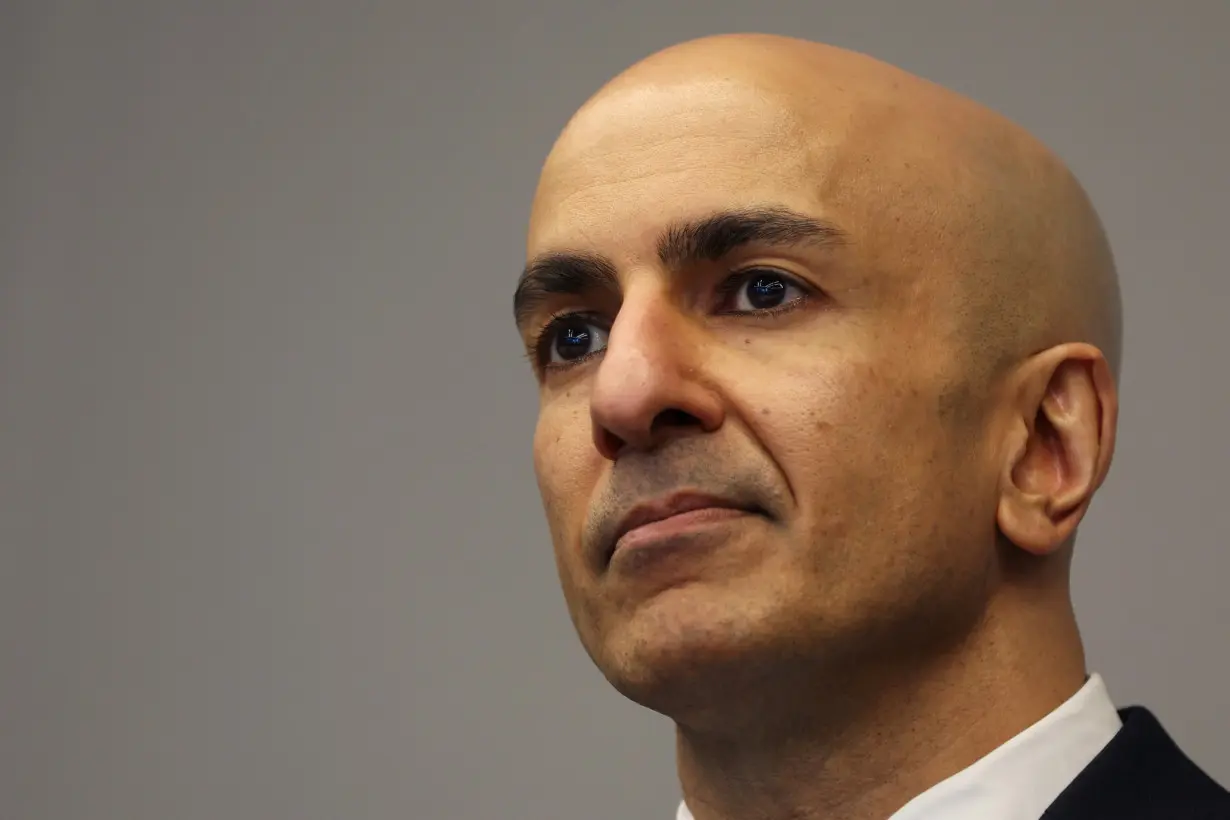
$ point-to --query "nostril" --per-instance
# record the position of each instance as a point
(608, 443)
(614, 441)
(675, 418)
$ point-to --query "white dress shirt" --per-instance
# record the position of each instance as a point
(1020, 779)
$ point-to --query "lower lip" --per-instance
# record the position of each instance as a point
(658, 533)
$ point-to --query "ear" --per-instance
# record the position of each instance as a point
(1059, 448)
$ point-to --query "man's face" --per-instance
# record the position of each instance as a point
(736, 306)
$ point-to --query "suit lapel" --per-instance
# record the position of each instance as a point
(1141, 775)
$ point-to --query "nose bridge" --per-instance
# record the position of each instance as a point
(649, 346)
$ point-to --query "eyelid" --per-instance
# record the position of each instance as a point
(737, 279)
(544, 335)
(728, 287)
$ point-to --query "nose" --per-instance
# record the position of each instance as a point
(650, 385)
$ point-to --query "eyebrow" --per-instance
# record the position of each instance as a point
(682, 244)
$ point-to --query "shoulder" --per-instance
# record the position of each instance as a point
(1142, 775)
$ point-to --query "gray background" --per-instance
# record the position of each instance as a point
(271, 545)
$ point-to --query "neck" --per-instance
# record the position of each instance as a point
(880, 739)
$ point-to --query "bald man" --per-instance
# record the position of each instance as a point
(826, 358)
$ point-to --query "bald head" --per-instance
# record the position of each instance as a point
(941, 184)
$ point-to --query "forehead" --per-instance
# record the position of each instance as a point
(638, 159)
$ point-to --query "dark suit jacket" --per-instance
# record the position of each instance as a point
(1141, 775)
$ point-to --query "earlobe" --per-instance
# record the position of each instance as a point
(1063, 431)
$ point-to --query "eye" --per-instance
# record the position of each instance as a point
(568, 339)
(762, 289)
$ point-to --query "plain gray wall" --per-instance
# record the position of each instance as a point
(271, 544)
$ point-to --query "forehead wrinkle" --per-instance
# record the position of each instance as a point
(641, 124)
(600, 193)
(735, 103)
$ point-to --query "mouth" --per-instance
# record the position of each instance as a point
(671, 515)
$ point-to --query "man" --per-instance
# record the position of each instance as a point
(827, 360)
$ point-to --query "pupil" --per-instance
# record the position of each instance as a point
(572, 342)
(765, 291)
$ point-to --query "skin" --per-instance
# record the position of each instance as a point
(922, 431)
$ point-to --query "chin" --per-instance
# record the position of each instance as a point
(681, 650)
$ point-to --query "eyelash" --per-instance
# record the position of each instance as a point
(730, 286)
(536, 352)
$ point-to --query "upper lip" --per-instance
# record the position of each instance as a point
(667, 506)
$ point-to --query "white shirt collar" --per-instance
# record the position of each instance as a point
(1021, 778)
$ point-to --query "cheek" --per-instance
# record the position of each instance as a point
(880, 477)
(566, 466)
(855, 438)
(828, 409)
